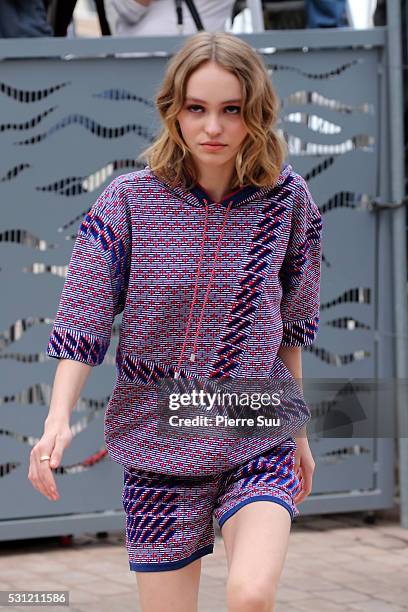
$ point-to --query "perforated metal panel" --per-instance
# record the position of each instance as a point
(68, 126)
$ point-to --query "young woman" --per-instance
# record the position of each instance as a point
(212, 252)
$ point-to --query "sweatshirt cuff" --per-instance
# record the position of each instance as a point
(69, 343)
(300, 333)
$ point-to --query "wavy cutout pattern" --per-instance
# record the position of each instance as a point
(297, 146)
(317, 99)
(346, 199)
(73, 186)
(80, 425)
(26, 239)
(30, 358)
(81, 466)
(23, 438)
(337, 360)
(40, 393)
(357, 295)
(344, 452)
(313, 122)
(35, 394)
(42, 268)
(7, 468)
(30, 95)
(324, 165)
(85, 464)
(14, 172)
(16, 331)
(27, 125)
(123, 94)
(314, 75)
(44, 357)
(101, 131)
(76, 428)
(69, 186)
(347, 323)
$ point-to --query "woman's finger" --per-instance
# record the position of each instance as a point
(47, 479)
(41, 473)
(33, 474)
(299, 495)
(61, 443)
(306, 480)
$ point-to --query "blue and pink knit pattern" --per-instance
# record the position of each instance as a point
(169, 519)
(136, 252)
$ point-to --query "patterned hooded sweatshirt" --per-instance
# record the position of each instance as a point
(207, 290)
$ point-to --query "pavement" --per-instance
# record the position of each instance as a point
(334, 562)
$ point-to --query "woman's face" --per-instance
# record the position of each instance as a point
(212, 114)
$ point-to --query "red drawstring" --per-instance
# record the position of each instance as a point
(195, 288)
(192, 357)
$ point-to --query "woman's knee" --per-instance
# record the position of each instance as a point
(245, 596)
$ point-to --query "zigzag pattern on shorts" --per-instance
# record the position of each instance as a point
(281, 474)
(151, 514)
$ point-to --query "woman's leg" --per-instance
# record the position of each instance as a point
(256, 542)
(170, 591)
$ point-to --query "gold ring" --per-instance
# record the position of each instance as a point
(45, 458)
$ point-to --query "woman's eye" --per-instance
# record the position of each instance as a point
(193, 107)
(232, 110)
(237, 109)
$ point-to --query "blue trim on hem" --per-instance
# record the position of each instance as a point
(170, 565)
(273, 498)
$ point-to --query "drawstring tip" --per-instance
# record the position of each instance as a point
(192, 357)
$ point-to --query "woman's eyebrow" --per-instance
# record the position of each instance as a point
(204, 102)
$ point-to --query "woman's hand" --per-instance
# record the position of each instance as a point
(56, 438)
(304, 466)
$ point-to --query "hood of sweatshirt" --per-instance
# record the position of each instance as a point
(198, 197)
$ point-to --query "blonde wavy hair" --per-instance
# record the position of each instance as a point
(262, 152)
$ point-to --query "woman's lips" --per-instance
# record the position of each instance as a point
(211, 147)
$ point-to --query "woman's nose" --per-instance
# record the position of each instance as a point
(213, 126)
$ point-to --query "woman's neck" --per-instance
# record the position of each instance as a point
(216, 182)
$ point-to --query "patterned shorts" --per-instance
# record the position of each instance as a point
(169, 519)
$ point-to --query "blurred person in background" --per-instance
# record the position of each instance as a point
(60, 14)
(326, 13)
(23, 19)
(159, 17)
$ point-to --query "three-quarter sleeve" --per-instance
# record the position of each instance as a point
(94, 290)
(300, 272)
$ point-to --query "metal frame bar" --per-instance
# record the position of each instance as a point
(166, 45)
(398, 223)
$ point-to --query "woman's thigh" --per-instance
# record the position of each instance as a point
(256, 541)
(257, 535)
(170, 591)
